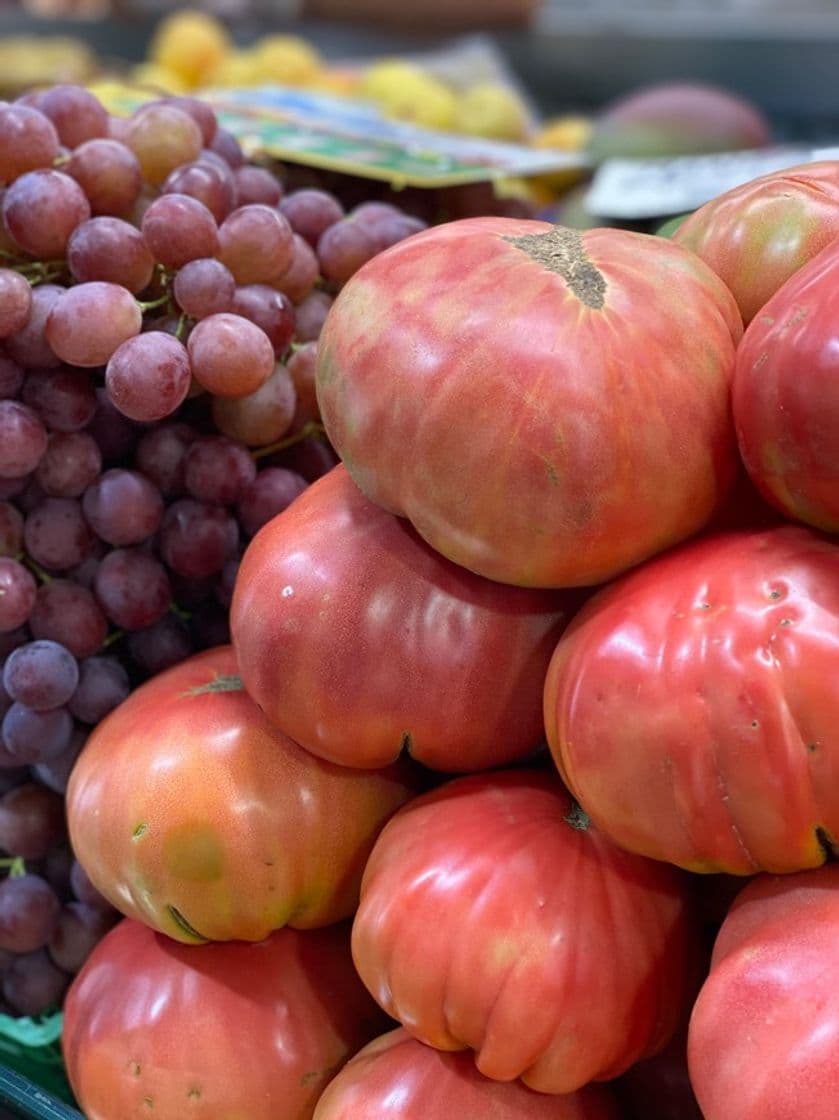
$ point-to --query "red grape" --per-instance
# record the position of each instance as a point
(114, 433)
(31, 821)
(29, 910)
(23, 439)
(41, 674)
(343, 248)
(54, 772)
(11, 378)
(208, 182)
(178, 229)
(226, 145)
(311, 315)
(217, 469)
(56, 534)
(132, 588)
(41, 209)
(302, 274)
(162, 137)
(110, 249)
(160, 646)
(30, 736)
(269, 309)
(197, 539)
(77, 930)
(76, 113)
(310, 212)
(28, 140)
(70, 464)
(204, 287)
(109, 174)
(230, 356)
(11, 529)
(256, 244)
(64, 398)
(272, 491)
(256, 185)
(67, 612)
(28, 346)
(261, 417)
(15, 302)
(17, 594)
(160, 456)
(123, 507)
(149, 376)
(202, 113)
(90, 320)
(301, 366)
(32, 984)
(103, 684)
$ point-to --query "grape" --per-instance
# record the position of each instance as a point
(31, 736)
(15, 302)
(64, 398)
(41, 209)
(123, 507)
(12, 487)
(230, 356)
(32, 984)
(208, 182)
(103, 683)
(160, 456)
(210, 627)
(310, 212)
(217, 469)
(256, 185)
(56, 534)
(110, 249)
(31, 821)
(41, 674)
(31, 496)
(28, 346)
(114, 433)
(261, 417)
(83, 574)
(311, 458)
(256, 244)
(9, 641)
(202, 113)
(343, 249)
(71, 462)
(270, 310)
(11, 378)
(11, 529)
(90, 320)
(302, 274)
(23, 439)
(390, 229)
(76, 113)
(55, 867)
(197, 539)
(190, 592)
(118, 128)
(132, 588)
(227, 582)
(160, 646)
(108, 173)
(272, 491)
(149, 376)
(84, 890)
(204, 287)
(311, 315)
(77, 931)
(67, 612)
(178, 229)
(162, 137)
(54, 773)
(29, 910)
(226, 145)
(301, 366)
(28, 140)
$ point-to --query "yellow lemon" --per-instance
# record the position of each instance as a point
(191, 44)
(424, 101)
(236, 69)
(287, 60)
(151, 76)
(384, 78)
(567, 133)
(492, 111)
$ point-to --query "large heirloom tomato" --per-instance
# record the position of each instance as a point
(547, 407)
(233, 1031)
(786, 394)
(763, 1034)
(192, 814)
(692, 706)
(397, 1078)
(757, 235)
(494, 917)
(358, 640)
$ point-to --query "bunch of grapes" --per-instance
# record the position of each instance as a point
(160, 304)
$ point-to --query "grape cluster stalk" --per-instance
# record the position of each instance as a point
(161, 299)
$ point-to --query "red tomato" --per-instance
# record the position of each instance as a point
(757, 235)
(692, 706)
(762, 1043)
(397, 1078)
(547, 407)
(358, 640)
(214, 1032)
(493, 917)
(189, 812)
(786, 395)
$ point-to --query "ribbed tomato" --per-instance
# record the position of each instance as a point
(358, 640)
(493, 916)
(397, 1078)
(231, 1031)
(547, 407)
(189, 812)
(692, 706)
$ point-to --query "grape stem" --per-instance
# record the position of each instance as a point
(113, 637)
(310, 428)
(16, 866)
(153, 304)
(37, 570)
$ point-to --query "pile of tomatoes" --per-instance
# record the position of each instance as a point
(513, 795)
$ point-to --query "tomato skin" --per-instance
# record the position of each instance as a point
(397, 1078)
(232, 1031)
(786, 395)
(757, 235)
(691, 706)
(530, 434)
(352, 634)
(189, 812)
(512, 905)
(762, 1038)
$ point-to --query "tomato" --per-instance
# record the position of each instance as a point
(786, 395)
(762, 1038)
(397, 1078)
(233, 1031)
(547, 407)
(691, 707)
(494, 917)
(189, 812)
(358, 640)
(758, 234)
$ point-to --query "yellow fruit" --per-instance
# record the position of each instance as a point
(287, 60)
(492, 111)
(568, 133)
(384, 78)
(191, 44)
(236, 69)
(151, 76)
(342, 83)
(422, 100)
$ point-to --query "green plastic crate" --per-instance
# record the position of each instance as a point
(33, 1082)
